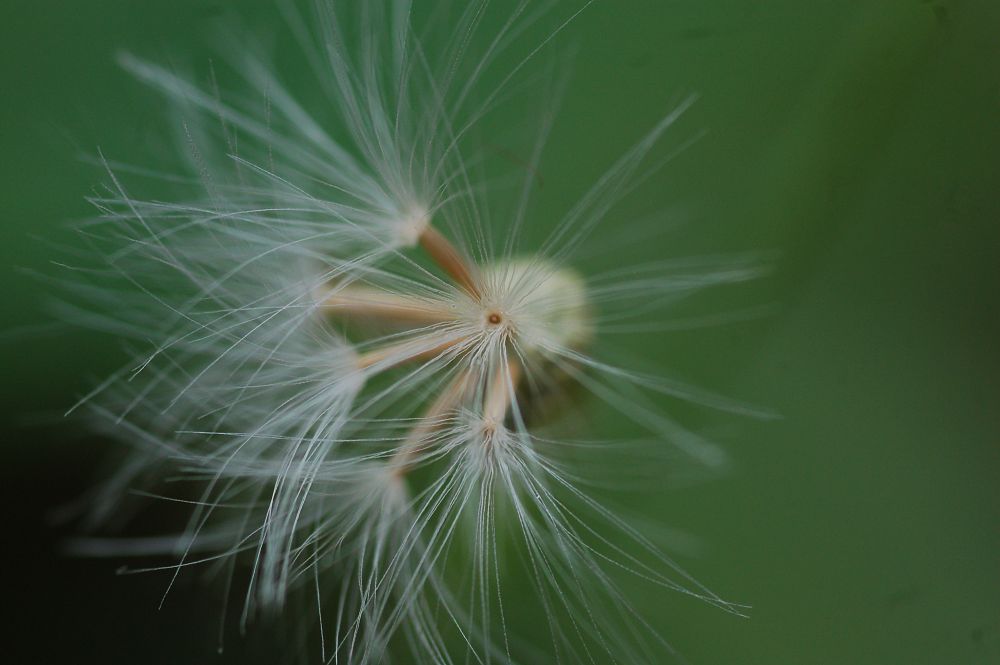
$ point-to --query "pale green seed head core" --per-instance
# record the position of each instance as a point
(543, 305)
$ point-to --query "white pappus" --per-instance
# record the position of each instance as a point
(359, 372)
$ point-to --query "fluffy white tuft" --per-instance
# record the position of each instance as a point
(355, 381)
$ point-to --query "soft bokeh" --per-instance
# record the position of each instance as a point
(857, 141)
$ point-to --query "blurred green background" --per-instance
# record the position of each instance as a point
(858, 139)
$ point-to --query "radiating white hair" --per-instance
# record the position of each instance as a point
(352, 360)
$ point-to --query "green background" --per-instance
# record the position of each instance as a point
(856, 139)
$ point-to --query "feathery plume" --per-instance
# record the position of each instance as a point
(356, 367)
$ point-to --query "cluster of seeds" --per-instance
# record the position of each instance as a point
(349, 381)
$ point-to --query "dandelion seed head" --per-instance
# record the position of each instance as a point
(330, 347)
(544, 306)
